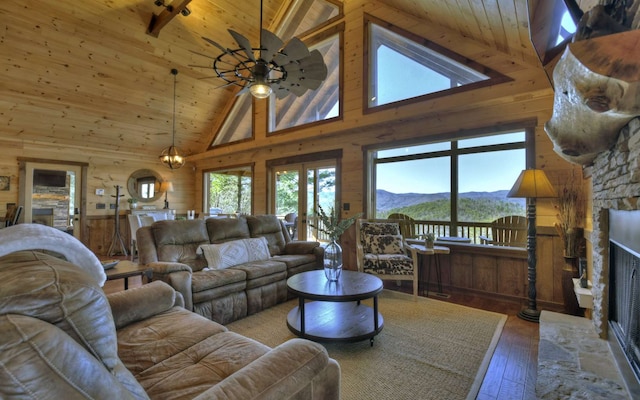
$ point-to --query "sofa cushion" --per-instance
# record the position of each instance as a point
(177, 241)
(388, 264)
(234, 252)
(213, 278)
(154, 340)
(263, 272)
(226, 229)
(270, 227)
(201, 366)
(295, 260)
(383, 244)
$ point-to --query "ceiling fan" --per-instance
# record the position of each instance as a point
(273, 67)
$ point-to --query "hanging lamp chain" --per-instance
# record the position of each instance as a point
(173, 136)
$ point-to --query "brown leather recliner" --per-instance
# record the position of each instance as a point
(225, 294)
(61, 337)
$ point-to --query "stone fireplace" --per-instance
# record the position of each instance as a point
(616, 187)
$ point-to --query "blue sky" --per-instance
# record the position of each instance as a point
(477, 173)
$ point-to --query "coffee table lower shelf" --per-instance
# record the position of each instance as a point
(335, 321)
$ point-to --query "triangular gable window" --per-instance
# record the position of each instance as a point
(401, 68)
(302, 17)
(306, 16)
(238, 125)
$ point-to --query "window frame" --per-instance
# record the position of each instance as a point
(205, 184)
(528, 127)
(494, 76)
(318, 37)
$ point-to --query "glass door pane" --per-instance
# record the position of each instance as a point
(287, 200)
(321, 190)
(297, 190)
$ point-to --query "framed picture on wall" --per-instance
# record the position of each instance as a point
(4, 182)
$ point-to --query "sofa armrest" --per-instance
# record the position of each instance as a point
(178, 276)
(137, 304)
(165, 267)
(300, 247)
(290, 370)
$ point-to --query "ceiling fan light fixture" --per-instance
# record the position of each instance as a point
(265, 69)
(170, 157)
(260, 88)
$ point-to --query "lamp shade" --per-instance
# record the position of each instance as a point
(167, 187)
(532, 183)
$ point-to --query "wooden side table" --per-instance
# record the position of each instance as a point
(435, 251)
(126, 269)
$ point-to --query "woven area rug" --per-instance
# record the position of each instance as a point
(428, 349)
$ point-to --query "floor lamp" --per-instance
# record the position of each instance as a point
(532, 184)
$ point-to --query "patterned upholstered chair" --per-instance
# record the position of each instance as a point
(381, 250)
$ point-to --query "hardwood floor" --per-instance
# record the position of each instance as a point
(512, 371)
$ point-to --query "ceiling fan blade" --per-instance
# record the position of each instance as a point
(203, 55)
(244, 44)
(312, 84)
(314, 66)
(269, 45)
(243, 91)
(298, 90)
(215, 44)
(292, 51)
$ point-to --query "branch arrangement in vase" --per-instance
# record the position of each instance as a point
(331, 225)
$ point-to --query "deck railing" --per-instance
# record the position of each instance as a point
(471, 230)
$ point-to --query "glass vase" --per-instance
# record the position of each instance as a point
(333, 261)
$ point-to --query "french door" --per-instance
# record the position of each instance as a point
(299, 189)
(52, 195)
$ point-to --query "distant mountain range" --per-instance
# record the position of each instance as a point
(386, 201)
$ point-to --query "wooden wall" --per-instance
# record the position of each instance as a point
(105, 171)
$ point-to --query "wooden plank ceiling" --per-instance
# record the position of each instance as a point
(86, 73)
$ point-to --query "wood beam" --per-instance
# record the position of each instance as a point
(159, 21)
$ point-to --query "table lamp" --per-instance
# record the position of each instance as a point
(532, 184)
(167, 187)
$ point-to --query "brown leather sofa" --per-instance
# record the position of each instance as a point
(61, 337)
(227, 294)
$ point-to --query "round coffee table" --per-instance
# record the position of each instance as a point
(337, 313)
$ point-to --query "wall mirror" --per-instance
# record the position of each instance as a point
(145, 185)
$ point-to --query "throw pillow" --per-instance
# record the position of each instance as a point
(234, 252)
(384, 244)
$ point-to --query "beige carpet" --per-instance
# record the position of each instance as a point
(428, 349)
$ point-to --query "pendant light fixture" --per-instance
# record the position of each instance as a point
(170, 156)
(272, 67)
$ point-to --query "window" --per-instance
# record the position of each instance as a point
(305, 16)
(315, 105)
(455, 185)
(228, 191)
(402, 66)
(238, 125)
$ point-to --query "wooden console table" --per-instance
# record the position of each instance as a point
(126, 269)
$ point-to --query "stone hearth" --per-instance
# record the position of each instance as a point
(574, 363)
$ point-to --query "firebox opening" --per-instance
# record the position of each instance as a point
(624, 294)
